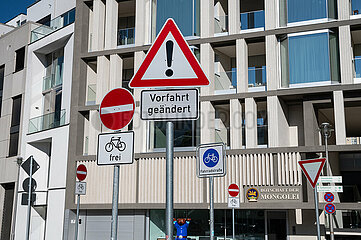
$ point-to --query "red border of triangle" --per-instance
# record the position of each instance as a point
(169, 27)
(302, 162)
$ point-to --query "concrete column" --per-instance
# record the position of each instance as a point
(116, 71)
(271, 14)
(111, 24)
(207, 124)
(311, 132)
(272, 62)
(207, 19)
(345, 55)
(251, 122)
(234, 17)
(343, 9)
(103, 68)
(340, 122)
(278, 128)
(242, 65)
(236, 124)
(98, 25)
(207, 62)
(139, 126)
(140, 22)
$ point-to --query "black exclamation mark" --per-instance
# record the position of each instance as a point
(169, 49)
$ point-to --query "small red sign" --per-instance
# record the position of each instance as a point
(233, 190)
(329, 197)
(81, 172)
(117, 109)
(330, 208)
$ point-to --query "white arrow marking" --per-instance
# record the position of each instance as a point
(115, 109)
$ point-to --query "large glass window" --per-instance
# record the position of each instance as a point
(296, 11)
(15, 125)
(20, 59)
(310, 58)
(184, 12)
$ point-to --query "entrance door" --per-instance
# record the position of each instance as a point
(276, 225)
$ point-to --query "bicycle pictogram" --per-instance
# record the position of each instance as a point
(115, 142)
(211, 157)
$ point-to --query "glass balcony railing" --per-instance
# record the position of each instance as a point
(357, 66)
(47, 121)
(126, 36)
(257, 76)
(225, 80)
(55, 24)
(250, 20)
(92, 94)
(220, 24)
(52, 81)
(356, 7)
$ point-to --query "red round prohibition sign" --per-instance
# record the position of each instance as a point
(81, 172)
(330, 208)
(117, 109)
(329, 197)
(233, 190)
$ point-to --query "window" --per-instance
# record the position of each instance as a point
(184, 12)
(15, 125)
(2, 76)
(20, 59)
(296, 11)
(7, 207)
(310, 58)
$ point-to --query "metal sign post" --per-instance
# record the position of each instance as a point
(169, 182)
(233, 228)
(114, 230)
(77, 217)
(29, 199)
(211, 209)
(317, 215)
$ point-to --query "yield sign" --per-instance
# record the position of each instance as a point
(169, 62)
(312, 169)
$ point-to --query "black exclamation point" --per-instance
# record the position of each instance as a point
(169, 49)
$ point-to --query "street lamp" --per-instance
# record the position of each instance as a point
(19, 161)
(326, 130)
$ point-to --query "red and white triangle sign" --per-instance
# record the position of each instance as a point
(169, 62)
(312, 169)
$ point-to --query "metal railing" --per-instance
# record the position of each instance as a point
(126, 36)
(257, 76)
(47, 121)
(250, 20)
(53, 25)
(51, 81)
(220, 24)
(225, 80)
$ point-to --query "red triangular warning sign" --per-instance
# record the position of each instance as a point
(169, 62)
(312, 169)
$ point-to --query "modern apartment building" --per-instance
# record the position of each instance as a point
(278, 69)
(38, 90)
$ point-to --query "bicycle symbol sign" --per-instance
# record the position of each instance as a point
(330, 208)
(329, 197)
(115, 142)
(211, 158)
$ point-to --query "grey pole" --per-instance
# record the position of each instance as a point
(211, 209)
(317, 215)
(233, 228)
(114, 230)
(169, 183)
(29, 200)
(19, 161)
(77, 217)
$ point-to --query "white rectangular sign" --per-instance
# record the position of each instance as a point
(329, 189)
(80, 188)
(233, 202)
(330, 179)
(170, 104)
(115, 148)
(210, 160)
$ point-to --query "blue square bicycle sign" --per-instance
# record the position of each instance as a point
(210, 160)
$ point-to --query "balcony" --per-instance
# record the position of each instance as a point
(220, 24)
(52, 81)
(251, 20)
(257, 76)
(47, 121)
(226, 80)
(55, 24)
(126, 36)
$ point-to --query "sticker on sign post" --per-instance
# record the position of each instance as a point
(210, 160)
(115, 148)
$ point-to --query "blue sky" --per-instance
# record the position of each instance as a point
(11, 8)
